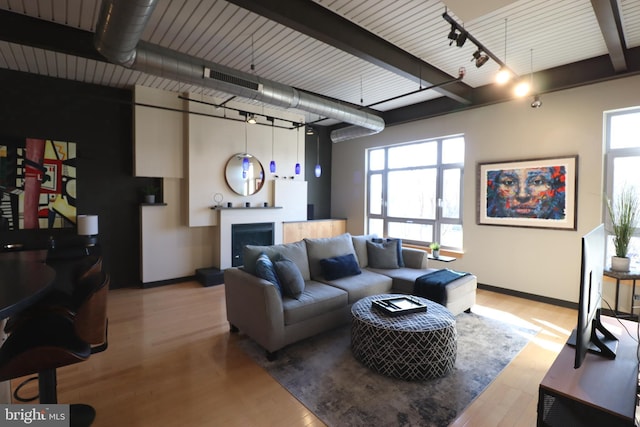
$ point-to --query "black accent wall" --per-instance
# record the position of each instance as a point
(99, 120)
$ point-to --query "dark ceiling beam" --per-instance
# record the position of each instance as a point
(608, 15)
(320, 23)
(28, 31)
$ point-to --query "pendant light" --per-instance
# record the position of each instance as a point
(245, 156)
(504, 74)
(272, 163)
(297, 168)
(318, 169)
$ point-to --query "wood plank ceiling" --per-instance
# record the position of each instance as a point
(363, 52)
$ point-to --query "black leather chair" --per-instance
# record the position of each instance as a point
(51, 336)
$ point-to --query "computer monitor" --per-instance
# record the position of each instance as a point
(590, 335)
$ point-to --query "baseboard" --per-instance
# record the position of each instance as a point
(148, 285)
(525, 295)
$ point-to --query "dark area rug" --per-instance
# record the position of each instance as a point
(322, 374)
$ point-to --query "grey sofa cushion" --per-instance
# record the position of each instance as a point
(383, 255)
(327, 247)
(296, 252)
(315, 300)
(362, 285)
(360, 246)
(291, 281)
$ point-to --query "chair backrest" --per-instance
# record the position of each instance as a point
(90, 321)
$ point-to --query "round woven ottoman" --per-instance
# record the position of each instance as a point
(412, 346)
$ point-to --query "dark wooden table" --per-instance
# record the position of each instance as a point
(24, 279)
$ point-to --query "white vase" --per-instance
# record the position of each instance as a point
(150, 198)
(435, 253)
(620, 263)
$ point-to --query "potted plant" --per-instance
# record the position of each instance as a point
(624, 213)
(149, 193)
(435, 249)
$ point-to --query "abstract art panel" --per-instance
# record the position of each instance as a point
(528, 193)
(37, 184)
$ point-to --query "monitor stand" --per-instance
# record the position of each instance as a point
(602, 343)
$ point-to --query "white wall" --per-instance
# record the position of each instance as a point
(190, 152)
(536, 261)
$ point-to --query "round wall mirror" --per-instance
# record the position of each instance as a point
(244, 174)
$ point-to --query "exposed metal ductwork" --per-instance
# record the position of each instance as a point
(120, 26)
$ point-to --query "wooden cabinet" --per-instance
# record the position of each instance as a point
(601, 392)
(294, 231)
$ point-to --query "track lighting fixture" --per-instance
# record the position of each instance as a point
(462, 38)
(453, 35)
(537, 102)
(251, 119)
(482, 54)
(459, 38)
(503, 76)
(480, 58)
(309, 130)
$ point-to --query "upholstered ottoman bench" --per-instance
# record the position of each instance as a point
(412, 346)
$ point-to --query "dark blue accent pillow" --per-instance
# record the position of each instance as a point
(340, 266)
(265, 270)
(399, 248)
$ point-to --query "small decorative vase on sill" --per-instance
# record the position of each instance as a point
(620, 263)
(150, 198)
(435, 249)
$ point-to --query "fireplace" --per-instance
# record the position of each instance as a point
(260, 234)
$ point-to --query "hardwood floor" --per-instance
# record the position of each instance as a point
(171, 361)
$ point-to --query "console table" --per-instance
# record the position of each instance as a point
(601, 392)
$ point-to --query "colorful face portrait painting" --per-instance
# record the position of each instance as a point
(529, 193)
(37, 184)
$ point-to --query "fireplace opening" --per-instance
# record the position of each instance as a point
(260, 234)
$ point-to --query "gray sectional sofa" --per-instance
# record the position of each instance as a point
(274, 317)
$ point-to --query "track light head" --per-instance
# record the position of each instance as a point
(251, 119)
(453, 35)
(481, 61)
(310, 130)
(462, 38)
(480, 58)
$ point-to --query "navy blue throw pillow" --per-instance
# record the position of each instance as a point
(340, 266)
(265, 270)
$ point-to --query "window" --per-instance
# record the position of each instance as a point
(415, 191)
(623, 157)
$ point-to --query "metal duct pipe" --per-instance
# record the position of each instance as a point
(350, 132)
(117, 37)
(119, 28)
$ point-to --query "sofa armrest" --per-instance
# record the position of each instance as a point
(414, 258)
(254, 306)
